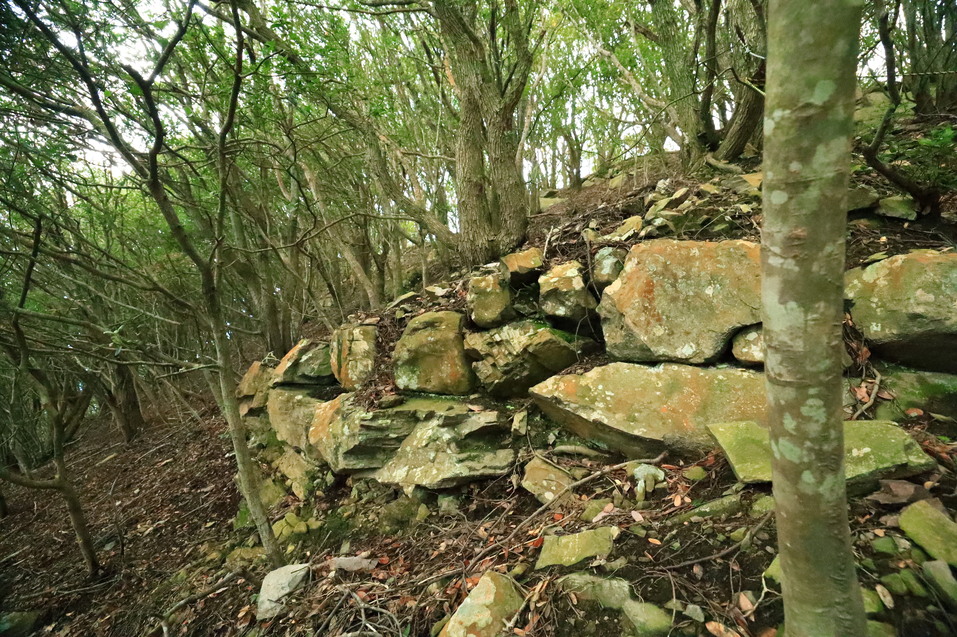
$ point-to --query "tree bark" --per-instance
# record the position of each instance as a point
(811, 78)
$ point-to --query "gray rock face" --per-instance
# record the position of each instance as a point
(350, 438)
(640, 410)
(353, 354)
(563, 294)
(512, 358)
(606, 266)
(681, 300)
(430, 356)
(450, 447)
(905, 306)
(489, 298)
(276, 586)
(873, 450)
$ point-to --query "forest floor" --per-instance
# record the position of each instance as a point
(162, 509)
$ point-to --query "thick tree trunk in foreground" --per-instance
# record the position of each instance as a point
(810, 95)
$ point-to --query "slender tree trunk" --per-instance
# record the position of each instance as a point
(811, 78)
(748, 113)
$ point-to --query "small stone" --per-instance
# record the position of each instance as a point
(647, 620)
(913, 584)
(694, 612)
(606, 266)
(872, 602)
(898, 208)
(885, 545)
(494, 601)
(738, 534)
(276, 586)
(762, 506)
(773, 572)
(545, 480)
(932, 529)
(895, 583)
(748, 345)
(593, 508)
(566, 550)
(695, 473)
(489, 299)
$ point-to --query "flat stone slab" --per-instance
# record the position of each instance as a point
(484, 613)
(639, 410)
(932, 529)
(872, 450)
(565, 550)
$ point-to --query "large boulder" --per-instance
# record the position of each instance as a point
(512, 358)
(351, 438)
(430, 356)
(353, 354)
(450, 445)
(563, 293)
(873, 450)
(905, 306)
(639, 410)
(681, 300)
(290, 414)
(307, 363)
(489, 299)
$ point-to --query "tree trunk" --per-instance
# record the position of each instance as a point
(744, 123)
(811, 78)
(124, 404)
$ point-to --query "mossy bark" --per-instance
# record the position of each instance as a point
(808, 126)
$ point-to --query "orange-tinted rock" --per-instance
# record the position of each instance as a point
(524, 266)
(681, 300)
(290, 414)
(641, 410)
(353, 354)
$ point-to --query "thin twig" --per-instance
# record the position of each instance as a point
(558, 496)
(873, 397)
(737, 545)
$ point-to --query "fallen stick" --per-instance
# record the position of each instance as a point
(747, 538)
(574, 485)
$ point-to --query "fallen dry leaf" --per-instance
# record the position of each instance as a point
(720, 630)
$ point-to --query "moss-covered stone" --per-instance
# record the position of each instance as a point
(430, 356)
(514, 357)
(904, 305)
(489, 299)
(493, 602)
(932, 392)
(932, 529)
(872, 450)
(638, 619)
(941, 579)
(566, 550)
(721, 508)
